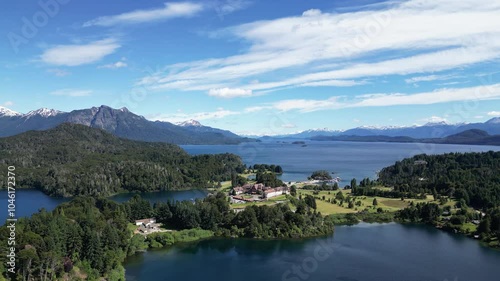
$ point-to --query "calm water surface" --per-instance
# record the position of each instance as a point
(347, 159)
(364, 252)
(30, 201)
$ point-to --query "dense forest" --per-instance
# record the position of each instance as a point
(88, 238)
(77, 160)
(472, 177)
(321, 175)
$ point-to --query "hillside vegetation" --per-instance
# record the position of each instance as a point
(88, 239)
(473, 177)
(74, 160)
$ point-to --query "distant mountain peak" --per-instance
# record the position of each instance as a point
(495, 120)
(8, 112)
(190, 123)
(43, 112)
(318, 130)
(381, 127)
(472, 133)
(440, 123)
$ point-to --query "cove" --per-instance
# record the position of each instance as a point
(30, 201)
(361, 252)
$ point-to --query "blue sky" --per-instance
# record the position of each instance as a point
(257, 67)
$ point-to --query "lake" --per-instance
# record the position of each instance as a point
(363, 252)
(368, 252)
(347, 159)
(29, 201)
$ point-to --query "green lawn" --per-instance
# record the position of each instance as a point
(387, 204)
(326, 208)
(364, 202)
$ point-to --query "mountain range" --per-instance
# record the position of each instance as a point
(473, 136)
(120, 122)
(427, 131)
(123, 123)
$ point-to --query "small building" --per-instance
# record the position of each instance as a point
(239, 190)
(256, 188)
(273, 192)
(242, 199)
(145, 222)
(238, 210)
(420, 162)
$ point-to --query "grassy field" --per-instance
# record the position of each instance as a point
(327, 208)
(365, 202)
(360, 202)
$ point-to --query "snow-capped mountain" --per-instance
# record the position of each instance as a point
(428, 130)
(196, 127)
(7, 112)
(315, 132)
(120, 122)
(190, 123)
(384, 127)
(43, 112)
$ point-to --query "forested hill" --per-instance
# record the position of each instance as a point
(473, 177)
(77, 160)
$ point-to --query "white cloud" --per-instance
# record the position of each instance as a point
(8, 103)
(181, 117)
(73, 55)
(229, 93)
(227, 7)
(478, 93)
(59, 72)
(304, 105)
(288, 126)
(118, 64)
(434, 119)
(494, 113)
(169, 11)
(311, 13)
(427, 78)
(72, 93)
(487, 92)
(422, 37)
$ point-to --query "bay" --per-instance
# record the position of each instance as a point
(355, 253)
(30, 201)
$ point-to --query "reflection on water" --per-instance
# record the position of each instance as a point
(362, 252)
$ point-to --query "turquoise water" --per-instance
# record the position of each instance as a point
(364, 252)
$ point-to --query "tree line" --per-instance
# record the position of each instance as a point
(89, 238)
(472, 179)
(73, 160)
